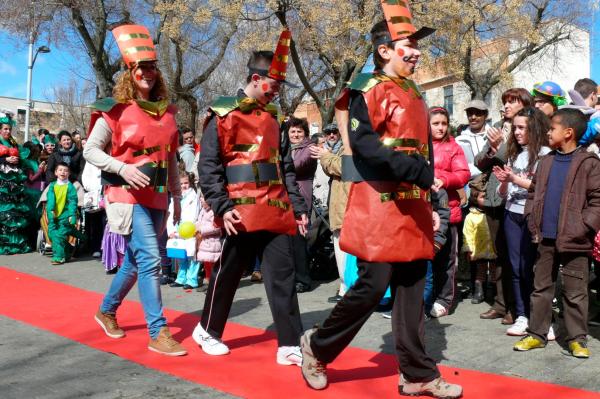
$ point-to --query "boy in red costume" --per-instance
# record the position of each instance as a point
(247, 176)
(388, 221)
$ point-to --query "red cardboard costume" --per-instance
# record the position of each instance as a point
(143, 133)
(252, 166)
(387, 221)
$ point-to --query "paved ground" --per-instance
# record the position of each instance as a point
(65, 369)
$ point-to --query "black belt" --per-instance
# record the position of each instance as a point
(156, 171)
(356, 171)
(257, 172)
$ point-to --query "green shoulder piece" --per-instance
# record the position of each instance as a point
(364, 82)
(104, 104)
(224, 105)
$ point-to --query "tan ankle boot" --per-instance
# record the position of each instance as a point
(165, 344)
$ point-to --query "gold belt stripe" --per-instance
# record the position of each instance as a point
(147, 151)
(245, 147)
(244, 201)
(279, 204)
(401, 195)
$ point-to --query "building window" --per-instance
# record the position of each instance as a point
(449, 99)
(21, 115)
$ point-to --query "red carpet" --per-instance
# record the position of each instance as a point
(250, 370)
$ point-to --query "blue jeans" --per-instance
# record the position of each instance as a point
(142, 262)
(188, 272)
(521, 253)
(428, 292)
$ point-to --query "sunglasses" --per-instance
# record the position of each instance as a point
(476, 112)
(331, 133)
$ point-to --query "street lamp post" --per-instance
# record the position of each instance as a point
(32, 58)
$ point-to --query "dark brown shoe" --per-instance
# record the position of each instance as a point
(508, 320)
(491, 314)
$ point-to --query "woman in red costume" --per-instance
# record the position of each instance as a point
(133, 140)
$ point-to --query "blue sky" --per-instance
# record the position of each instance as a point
(595, 46)
(54, 69)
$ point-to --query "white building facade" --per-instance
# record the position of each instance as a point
(564, 63)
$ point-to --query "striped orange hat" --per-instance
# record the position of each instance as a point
(400, 21)
(135, 44)
(278, 68)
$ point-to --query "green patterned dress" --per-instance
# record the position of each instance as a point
(18, 214)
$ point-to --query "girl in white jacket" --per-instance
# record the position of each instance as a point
(187, 277)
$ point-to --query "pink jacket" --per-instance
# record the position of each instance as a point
(209, 248)
(451, 167)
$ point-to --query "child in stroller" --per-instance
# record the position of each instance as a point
(60, 221)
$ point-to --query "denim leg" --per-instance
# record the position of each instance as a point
(428, 292)
(147, 227)
(122, 282)
(514, 241)
(528, 256)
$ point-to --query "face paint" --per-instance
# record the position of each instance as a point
(265, 87)
(138, 77)
(400, 52)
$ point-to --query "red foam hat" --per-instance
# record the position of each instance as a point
(400, 21)
(135, 44)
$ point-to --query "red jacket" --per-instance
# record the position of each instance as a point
(452, 168)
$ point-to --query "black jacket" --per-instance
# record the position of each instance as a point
(76, 164)
(211, 171)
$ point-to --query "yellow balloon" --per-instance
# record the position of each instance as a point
(187, 230)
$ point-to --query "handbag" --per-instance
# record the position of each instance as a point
(596, 250)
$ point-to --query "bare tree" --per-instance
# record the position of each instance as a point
(484, 41)
(70, 101)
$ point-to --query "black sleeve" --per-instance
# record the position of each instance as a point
(443, 210)
(211, 172)
(289, 174)
(3, 159)
(365, 143)
(50, 177)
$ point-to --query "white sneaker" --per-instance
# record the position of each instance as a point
(387, 314)
(519, 328)
(551, 336)
(210, 345)
(289, 355)
(438, 310)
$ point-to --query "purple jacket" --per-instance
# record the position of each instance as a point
(305, 170)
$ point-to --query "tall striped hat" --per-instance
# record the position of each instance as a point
(278, 68)
(400, 21)
(135, 44)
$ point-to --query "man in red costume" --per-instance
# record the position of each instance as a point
(247, 176)
(388, 221)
